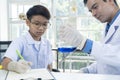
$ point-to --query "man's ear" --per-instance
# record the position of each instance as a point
(113, 2)
(109, 0)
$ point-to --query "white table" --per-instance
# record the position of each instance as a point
(73, 76)
(80, 76)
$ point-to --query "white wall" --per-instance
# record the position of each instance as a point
(3, 20)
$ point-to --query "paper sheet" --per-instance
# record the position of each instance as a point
(34, 73)
(3, 74)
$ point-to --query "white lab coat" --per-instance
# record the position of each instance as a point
(107, 52)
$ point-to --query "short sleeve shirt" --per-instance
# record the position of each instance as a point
(40, 58)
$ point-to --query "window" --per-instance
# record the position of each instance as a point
(63, 11)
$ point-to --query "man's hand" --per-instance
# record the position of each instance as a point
(84, 70)
(20, 67)
(71, 36)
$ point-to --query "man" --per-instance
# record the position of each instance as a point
(107, 52)
(32, 46)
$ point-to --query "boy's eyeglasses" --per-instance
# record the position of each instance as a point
(43, 25)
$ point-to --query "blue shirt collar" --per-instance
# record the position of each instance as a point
(30, 39)
(114, 18)
(109, 24)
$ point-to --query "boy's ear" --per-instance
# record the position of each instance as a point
(28, 22)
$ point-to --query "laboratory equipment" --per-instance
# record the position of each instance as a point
(65, 50)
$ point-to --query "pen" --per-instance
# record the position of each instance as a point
(18, 53)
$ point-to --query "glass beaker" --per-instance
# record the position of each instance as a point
(65, 48)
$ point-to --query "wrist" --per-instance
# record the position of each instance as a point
(11, 66)
(88, 46)
(82, 43)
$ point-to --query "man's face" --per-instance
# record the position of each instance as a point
(103, 11)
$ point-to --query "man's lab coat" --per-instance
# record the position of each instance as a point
(107, 52)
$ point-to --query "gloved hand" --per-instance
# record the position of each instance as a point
(70, 35)
(20, 67)
(84, 70)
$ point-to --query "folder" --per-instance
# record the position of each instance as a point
(42, 74)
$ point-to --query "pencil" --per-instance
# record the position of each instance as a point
(18, 53)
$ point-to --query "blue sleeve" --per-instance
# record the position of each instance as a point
(88, 46)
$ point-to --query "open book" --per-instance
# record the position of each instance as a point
(32, 74)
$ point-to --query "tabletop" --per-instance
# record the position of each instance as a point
(80, 76)
(71, 76)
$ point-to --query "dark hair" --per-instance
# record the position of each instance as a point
(85, 2)
(38, 10)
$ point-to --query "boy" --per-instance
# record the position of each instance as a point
(33, 48)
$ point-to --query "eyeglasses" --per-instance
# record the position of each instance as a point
(43, 25)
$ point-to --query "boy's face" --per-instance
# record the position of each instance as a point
(37, 26)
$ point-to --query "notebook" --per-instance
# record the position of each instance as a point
(33, 74)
